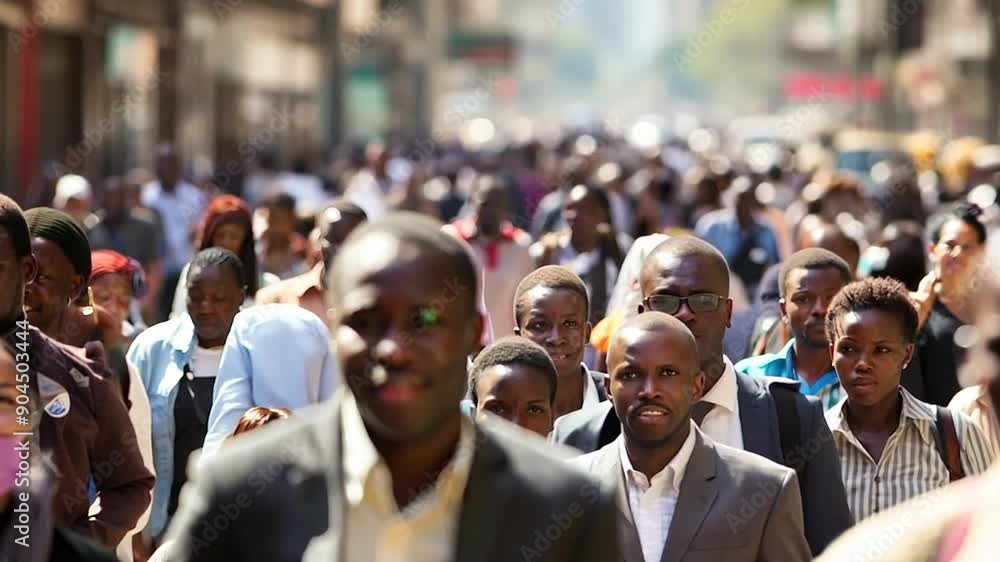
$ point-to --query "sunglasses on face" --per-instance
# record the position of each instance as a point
(670, 304)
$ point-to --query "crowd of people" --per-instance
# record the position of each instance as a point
(577, 350)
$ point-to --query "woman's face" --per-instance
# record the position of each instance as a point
(113, 292)
(869, 353)
(214, 297)
(230, 236)
(957, 254)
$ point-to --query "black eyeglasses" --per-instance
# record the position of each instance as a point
(670, 304)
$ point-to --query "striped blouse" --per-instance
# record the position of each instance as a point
(910, 464)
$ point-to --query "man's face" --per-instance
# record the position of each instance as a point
(168, 170)
(654, 378)
(115, 199)
(869, 355)
(55, 286)
(14, 272)
(405, 323)
(280, 221)
(517, 393)
(582, 212)
(665, 274)
(556, 319)
(808, 293)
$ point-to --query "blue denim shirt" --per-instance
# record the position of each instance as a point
(159, 355)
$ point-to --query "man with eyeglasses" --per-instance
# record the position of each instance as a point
(689, 279)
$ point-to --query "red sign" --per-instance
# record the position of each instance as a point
(817, 87)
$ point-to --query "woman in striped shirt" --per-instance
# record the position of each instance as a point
(889, 442)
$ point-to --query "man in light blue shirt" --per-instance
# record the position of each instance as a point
(808, 281)
(277, 355)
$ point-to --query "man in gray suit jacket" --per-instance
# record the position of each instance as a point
(392, 470)
(682, 497)
(683, 267)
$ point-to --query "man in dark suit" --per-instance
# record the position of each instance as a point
(689, 279)
(686, 498)
(392, 470)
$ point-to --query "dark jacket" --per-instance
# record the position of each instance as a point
(516, 489)
(86, 429)
(824, 500)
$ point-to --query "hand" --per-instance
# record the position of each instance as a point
(923, 299)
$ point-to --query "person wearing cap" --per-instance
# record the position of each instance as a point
(84, 425)
(74, 197)
(333, 225)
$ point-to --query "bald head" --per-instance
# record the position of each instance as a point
(673, 333)
(679, 250)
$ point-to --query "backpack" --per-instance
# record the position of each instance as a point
(948, 446)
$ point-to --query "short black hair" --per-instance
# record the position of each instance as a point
(12, 220)
(550, 277)
(282, 201)
(513, 350)
(966, 212)
(874, 293)
(421, 231)
(812, 258)
(598, 195)
(220, 257)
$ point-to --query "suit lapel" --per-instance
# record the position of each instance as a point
(609, 468)
(486, 494)
(755, 419)
(697, 494)
(327, 547)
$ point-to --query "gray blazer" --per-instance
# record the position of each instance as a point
(277, 495)
(824, 500)
(733, 506)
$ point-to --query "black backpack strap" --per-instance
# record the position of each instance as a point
(948, 446)
(789, 426)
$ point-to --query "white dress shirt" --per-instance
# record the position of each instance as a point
(591, 397)
(722, 424)
(276, 355)
(653, 501)
(375, 529)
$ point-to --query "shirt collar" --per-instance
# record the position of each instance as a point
(922, 415)
(675, 469)
(591, 396)
(362, 461)
(183, 339)
(725, 391)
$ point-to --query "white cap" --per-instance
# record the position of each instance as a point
(69, 187)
